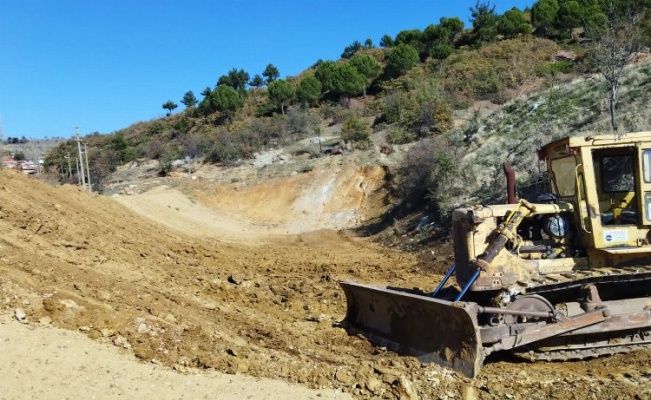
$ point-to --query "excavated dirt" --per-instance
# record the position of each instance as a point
(243, 279)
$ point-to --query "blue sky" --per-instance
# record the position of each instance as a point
(103, 65)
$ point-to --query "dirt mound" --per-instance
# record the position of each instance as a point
(267, 309)
(336, 195)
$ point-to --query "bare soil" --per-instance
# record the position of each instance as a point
(240, 276)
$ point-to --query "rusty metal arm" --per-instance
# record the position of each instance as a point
(535, 333)
(524, 313)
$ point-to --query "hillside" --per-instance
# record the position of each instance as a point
(461, 130)
(512, 133)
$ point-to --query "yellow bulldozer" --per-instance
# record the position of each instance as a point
(565, 277)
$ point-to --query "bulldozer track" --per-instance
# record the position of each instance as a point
(575, 348)
(576, 279)
(582, 352)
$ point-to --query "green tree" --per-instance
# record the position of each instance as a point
(270, 73)
(386, 41)
(571, 14)
(513, 23)
(119, 146)
(189, 100)
(367, 66)
(484, 21)
(348, 81)
(309, 90)
(281, 93)
(237, 79)
(205, 106)
(440, 38)
(169, 105)
(324, 72)
(226, 100)
(351, 49)
(454, 25)
(441, 52)
(257, 82)
(415, 38)
(543, 14)
(436, 34)
(402, 58)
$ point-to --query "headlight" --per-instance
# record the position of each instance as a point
(556, 226)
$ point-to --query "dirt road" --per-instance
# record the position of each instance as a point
(183, 297)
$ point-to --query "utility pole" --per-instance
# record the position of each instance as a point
(67, 157)
(90, 189)
(78, 174)
(81, 157)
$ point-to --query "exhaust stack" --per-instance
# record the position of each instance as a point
(510, 183)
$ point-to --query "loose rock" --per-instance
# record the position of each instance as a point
(20, 315)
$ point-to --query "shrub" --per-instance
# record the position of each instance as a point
(228, 147)
(427, 173)
(495, 68)
(193, 145)
(558, 67)
(394, 104)
(223, 150)
(182, 125)
(399, 135)
(420, 110)
(356, 131)
(156, 128)
(154, 149)
(266, 132)
(299, 122)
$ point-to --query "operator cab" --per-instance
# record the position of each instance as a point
(607, 179)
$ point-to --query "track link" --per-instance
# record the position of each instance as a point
(576, 354)
(574, 279)
(579, 347)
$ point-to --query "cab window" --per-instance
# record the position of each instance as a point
(617, 174)
(563, 170)
(646, 166)
(615, 170)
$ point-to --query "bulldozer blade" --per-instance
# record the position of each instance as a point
(434, 331)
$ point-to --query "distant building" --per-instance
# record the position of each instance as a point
(9, 162)
(27, 167)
